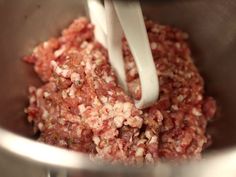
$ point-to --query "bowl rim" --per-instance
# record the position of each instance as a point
(27, 150)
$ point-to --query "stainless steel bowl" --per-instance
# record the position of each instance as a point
(212, 28)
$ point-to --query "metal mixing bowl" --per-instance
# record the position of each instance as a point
(212, 28)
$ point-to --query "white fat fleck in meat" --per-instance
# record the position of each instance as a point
(153, 139)
(134, 122)
(178, 60)
(59, 52)
(40, 126)
(96, 140)
(64, 72)
(137, 89)
(73, 50)
(75, 77)
(148, 134)
(82, 63)
(155, 29)
(59, 71)
(149, 158)
(88, 66)
(89, 48)
(107, 78)
(139, 152)
(141, 141)
(153, 45)
(110, 92)
(53, 64)
(118, 120)
(127, 109)
(104, 99)
(180, 98)
(118, 107)
(96, 84)
(178, 148)
(32, 99)
(45, 114)
(175, 107)
(72, 91)
(98, 61)
(109, 107)
(39, 92)
(35, 50)
(61, 121)
(97, 54)
(82, 108)
(64, 94)
(96, 102)
(130, 65)
(84, 44)
(109, 134)
(30, 119)
(189, 75)
(177, 45)
(196, 112)
(159, 115)
(32, 89)
(133, 72)
(79, 131)
(62, 142)
(199, 97)
(46, 94)
(46, 44)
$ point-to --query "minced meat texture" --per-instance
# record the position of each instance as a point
(80, 105)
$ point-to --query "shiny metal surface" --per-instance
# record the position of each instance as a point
(212, 28)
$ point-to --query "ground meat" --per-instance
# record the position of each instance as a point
(81, 107)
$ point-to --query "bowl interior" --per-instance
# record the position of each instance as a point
(212, 32)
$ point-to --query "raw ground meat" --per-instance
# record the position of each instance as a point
(81, 107)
